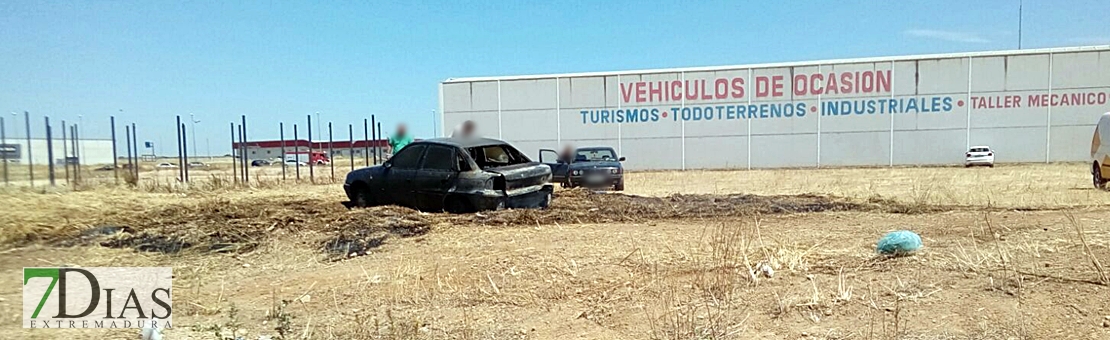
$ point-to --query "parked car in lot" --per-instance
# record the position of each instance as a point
(108, 167)
(197, 165)
(979, 155)
(260, 162)
(453, 175)
(166, 165)
(1100, 152)
(294, 162)
(591, 167)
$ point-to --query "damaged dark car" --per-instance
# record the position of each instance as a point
(453, 175)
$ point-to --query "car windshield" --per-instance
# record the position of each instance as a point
(594, 155)
(980, 150)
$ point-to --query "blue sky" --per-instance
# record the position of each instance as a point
(282, 60)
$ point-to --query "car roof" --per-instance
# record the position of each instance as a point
(594, 148)
(980, 147)
(462, 142)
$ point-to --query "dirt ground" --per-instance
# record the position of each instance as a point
(676, 257)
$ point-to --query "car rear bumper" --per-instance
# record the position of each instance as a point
(532, 197)
(979, 161)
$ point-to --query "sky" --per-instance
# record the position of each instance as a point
(147, 62)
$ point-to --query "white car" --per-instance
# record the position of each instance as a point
(979, 155)
(166, 165)
(1100, 152)
(294, 162)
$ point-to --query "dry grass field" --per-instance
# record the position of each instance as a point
(1013, 252)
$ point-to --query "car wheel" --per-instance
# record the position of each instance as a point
(546, 201)
(1096, 177)
(619, 186)
(363, 198)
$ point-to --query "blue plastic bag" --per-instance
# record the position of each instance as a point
(899, 242)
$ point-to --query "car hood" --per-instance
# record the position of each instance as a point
(597, 164)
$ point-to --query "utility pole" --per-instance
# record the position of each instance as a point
(194, 132)
(1019, 23)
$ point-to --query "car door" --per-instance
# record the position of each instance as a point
(438, 174)
(559, 168)
(399, 176)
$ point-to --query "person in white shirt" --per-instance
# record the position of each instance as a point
(464, 130)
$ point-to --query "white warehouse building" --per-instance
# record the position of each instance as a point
(1030, 105)
(92, 151)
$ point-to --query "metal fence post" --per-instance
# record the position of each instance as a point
(135, 142)
(350, 145)
(366, 140)
(281, 126)
(331, 153)
(245, 171)
(180, 153)
(184, 153)
(49, 151)
(297, 152)
(234, 156)
(65, 150)
(311, 163)
(127, 135)
(4, 141)
(373, 137)
(115, 155)
(378, 150)
(243, 143)
(77, 153)
(30, 158)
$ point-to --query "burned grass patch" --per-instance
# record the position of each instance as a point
(584, 206)
(241, 225)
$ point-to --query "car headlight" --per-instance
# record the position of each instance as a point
(576, 172)
(615, 171)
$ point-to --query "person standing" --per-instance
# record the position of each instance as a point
(399, 140)
(464, 130)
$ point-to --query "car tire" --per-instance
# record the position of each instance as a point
(1096, 176)
(619, 186)
(363, 198)
(547, 200)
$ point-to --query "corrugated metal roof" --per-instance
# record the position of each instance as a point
(790, 64)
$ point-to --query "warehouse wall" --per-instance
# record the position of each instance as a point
(897, 111)
(93, 151)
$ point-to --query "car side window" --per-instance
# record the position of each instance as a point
(408, 158)
(463, 164)
(439, 158)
